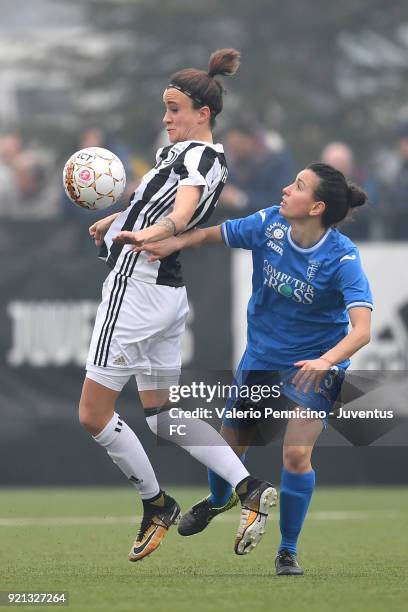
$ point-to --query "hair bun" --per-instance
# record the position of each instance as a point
(356, 196)
(224, 61)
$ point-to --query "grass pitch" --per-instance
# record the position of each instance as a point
(354, 550)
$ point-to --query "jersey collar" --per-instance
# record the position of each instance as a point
(309, 249)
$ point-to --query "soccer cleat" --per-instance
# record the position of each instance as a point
(286, 564)
(202, 513)
(158, 516)
(257, 497)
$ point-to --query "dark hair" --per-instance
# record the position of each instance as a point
(339, 195)
(201, 86)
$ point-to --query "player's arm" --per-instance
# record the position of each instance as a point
(98, 230)
(358, 336)
(193, 238)
(238, 233)
(186, 202)
(312, 370)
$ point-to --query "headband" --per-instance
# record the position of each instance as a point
(190, 95)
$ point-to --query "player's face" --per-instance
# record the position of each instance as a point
(298, 201)
(182, 121)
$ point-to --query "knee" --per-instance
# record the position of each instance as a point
(297, 458)
(88, 419)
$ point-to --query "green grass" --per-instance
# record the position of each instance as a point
(354, 562)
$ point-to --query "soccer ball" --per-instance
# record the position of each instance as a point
(94, 178)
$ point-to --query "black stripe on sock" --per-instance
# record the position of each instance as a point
(152, 411)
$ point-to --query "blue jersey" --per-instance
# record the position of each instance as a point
(300, 297)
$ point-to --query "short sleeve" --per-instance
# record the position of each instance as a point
(242, 233)
(196, 165)
(353, 282)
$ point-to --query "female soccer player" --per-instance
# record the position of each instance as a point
(307, 285)
(142, 315)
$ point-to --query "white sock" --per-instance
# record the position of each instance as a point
(125, 449)
(202, 441)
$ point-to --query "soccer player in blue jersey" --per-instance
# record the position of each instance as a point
(307, 286)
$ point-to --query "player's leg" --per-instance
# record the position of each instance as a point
(206, 445)
(198, 438)
(297, 485)
(220, 490)
(239, 433)
(159, 511)
(222, 496)
(97, 415)
(236, 433)
(113, 356)
(298, 477)
(195, 436)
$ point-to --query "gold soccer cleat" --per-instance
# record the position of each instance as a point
(158, 516)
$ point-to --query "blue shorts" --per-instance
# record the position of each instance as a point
(247, 404)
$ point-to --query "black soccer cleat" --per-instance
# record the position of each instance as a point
(257, 497)
(202, 513)
(158, 516)
(286, 564)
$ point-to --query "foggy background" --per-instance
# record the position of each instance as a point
(92, 72)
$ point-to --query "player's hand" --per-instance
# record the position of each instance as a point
(129, 238)
(163, 248)
(232, 197)
(311, 372)
(98, 230)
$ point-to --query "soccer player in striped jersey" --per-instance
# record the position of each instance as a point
(141, 319)
(307, 285)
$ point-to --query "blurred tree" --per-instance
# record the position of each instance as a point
(315, 70)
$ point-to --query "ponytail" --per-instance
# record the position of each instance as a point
(338, 195)
(201, 86)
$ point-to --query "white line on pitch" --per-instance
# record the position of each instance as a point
(66, 521)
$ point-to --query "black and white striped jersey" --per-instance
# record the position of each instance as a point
(184, 163)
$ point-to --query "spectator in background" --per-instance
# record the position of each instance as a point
(395, 187)
(340, 156)
(259, 167)
(9, 191)
(28, 189)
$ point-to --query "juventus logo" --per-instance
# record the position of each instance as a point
(170, 159)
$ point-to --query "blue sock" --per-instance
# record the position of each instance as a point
(220, 489)
(295, 495)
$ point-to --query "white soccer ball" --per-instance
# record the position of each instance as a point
(94, 178)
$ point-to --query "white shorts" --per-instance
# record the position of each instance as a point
(138, 332)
